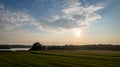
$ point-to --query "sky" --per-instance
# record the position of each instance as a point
(60, 22)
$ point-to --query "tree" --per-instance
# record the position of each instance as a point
(37, 46)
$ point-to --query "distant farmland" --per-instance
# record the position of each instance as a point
(60, 58)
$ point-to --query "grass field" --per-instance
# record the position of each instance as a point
(60, 58)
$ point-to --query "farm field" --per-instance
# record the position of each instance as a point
(60, 58)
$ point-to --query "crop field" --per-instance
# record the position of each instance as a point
(60, 58)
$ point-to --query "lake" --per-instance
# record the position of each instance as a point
(14, 49)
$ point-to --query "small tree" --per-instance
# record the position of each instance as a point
(37, 46)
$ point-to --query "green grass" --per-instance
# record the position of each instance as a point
(60, 58)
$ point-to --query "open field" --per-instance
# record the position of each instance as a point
(60, 58)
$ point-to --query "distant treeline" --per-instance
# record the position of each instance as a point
(6, 46)
(85, 47)
(69, 47)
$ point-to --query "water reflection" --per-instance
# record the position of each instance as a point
(15, 49)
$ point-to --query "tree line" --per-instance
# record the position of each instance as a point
(7, 46)
(38, 46)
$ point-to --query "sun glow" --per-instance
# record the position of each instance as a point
(77, 32)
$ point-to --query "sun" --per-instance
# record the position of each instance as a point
(77, 32)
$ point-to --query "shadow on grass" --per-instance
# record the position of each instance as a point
(87, 57)
(67, 63)
(52, 54)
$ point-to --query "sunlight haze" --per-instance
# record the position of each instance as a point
(60, 22)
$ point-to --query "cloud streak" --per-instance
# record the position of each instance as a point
(76, 16)
(70, 15)
(13, 19)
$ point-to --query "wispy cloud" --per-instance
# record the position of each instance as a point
(75, 15)
(71, 15)
(11, 19)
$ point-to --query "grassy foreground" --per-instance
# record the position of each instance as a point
(60, 58)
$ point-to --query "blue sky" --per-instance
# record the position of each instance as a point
(59, 21)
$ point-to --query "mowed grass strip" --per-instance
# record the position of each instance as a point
(60, 58)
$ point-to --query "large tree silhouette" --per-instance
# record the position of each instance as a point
(37, 46)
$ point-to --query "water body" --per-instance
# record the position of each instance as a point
(15, 49)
